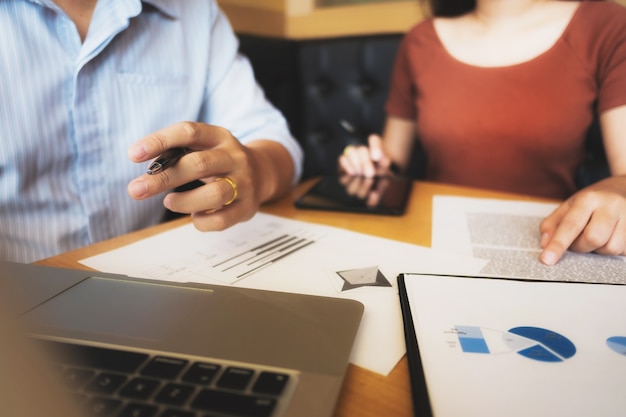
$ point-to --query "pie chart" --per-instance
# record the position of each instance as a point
(617, 344)
(531, 342)
(548, 346)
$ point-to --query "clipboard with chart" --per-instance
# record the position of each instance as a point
(493, 347)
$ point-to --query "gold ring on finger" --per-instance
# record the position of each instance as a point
(233, 186)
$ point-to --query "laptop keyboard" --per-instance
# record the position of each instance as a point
(123, 383)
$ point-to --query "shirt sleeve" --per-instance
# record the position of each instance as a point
(235, 101)
(612, 61)
(401, 100)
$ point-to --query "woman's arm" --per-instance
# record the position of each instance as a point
(593, 219)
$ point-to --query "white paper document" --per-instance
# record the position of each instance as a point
(506, 234)
(501, 347)
(274, 253)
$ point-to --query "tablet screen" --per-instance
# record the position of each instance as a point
(378, 195)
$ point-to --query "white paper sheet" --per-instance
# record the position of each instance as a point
(500, 347)
(275, 253)
(506, 233)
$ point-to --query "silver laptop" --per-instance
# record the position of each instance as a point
(141, 348)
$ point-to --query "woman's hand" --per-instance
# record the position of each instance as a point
(237, 178)
(592, 220)
(366, 161)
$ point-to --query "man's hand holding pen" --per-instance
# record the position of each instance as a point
(233, 187)
(166, 159)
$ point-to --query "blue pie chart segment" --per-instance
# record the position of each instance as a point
(550, 346)
(617, 344)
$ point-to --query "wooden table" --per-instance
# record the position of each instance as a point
(364, 393)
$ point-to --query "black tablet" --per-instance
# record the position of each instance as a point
(378, 195)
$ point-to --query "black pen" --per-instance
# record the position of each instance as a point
(166, 159)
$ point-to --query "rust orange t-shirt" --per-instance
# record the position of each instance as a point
(518, 128)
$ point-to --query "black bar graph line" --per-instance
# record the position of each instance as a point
(255, 269)
(243, 261)
(256, 255)
(250, 250)
(282, 249)
(276, 246)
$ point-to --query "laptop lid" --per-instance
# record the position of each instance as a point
(311, 335)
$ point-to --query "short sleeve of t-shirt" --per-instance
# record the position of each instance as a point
(604, 31)
(402, 91)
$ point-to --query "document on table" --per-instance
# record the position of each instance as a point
(506, 234)
(500, 347)
(274, 253)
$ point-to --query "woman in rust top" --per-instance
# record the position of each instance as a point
(501, 94)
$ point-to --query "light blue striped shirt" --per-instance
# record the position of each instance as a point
(70, 110)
